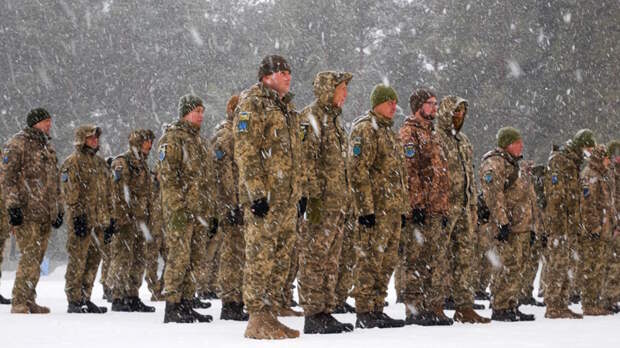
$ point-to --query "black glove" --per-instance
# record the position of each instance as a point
(109, 232)
(444, 222)
(367, 220)
(260, 207)
(213, 223)
(59, 219)
(235, 216)
(419, 216)
(301, 206)
(16, 217)
(504, 232)
(403, 221)
(595, 236)
(80, 225)
(544, 240)
(532, 238)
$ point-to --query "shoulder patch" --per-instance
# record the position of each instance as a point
(5, 159)
(219, 154)
(243, 124)
(357, 146)
(488, 177)
(162, 152)
(118, 173)
(586, 192)
(554, 179)
(409, 150)
(64, 176)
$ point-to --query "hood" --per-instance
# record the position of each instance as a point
(325, 84)
(597, 158)
(446, 109)
(83, 132)
(231, 106)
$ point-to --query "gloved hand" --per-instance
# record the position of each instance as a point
(59, 219)
(109, 232)
(544, 240)
(595, 236)
(260, 207)
(419, 216)
(80, 225)
(301, 206)
(504, 232)
(532, 238)
(444, 222)
(403, 221)
(315, 206)
(367, 221)
(213, 224)
(16, 217)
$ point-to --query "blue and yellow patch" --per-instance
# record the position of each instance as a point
(586, 192)
(554, 179)
(357, 146)
(488, 178)
(243, 124)
(409, 150)
(162, 152)
(219, 154)
(64, 177)
(5, 159)
(118, 174)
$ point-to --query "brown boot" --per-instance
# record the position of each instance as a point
(561, 313)
(468, 315)
(36, 309)
(438, 311)
(264, 326)
(596, 311)
(290, 333)
(20, 309)
(288, 312)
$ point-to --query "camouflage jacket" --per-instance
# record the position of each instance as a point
(459, 157)
(85, 180)
(186, 172)
(533, 203)
(267, 147)
(377, 173)
(226, 171)
(4, 220)
(426, 166)
(30, 178)
(155, 214)
(597, 206)
(325, 149)
(506, 192)
(131, 188)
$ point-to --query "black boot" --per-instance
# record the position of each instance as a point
(5, 301)
(346, 327)
(344, 308)
(482, 296)
(367, 320)
(138, 306)
(320, 324)
(478, 306)
(449, 304)
(386, 322)
(208, 295)
(121, 305)
(419, 318)
(522, 316)
(201, 318)
(76, 307)
(196, 303)
(435, 319)
(504, 315)
(175, 313)
(233, 311)
(93, 308)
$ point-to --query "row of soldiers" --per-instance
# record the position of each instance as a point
(368, 204)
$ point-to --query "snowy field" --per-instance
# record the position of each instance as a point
(114, 330)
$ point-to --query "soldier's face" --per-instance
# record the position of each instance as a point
(92, 141)
(44, 126)
(516, 148)
(386, 109)
(340, 95)
(429, 108)
(606, 162)
(458, 118)
(279, 81)
(617, 159)
(196, 116)
(146, 147)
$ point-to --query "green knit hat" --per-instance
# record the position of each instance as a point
(382, 93)
(613, 148)
(506, 136)
(584, 138)
(188, 103)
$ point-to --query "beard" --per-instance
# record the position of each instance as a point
(427, 116)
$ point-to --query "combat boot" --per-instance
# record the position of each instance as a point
(596, 311)
(196, 303)
(36, 309)
(366, 320)
(478, 306)
(346, 327)
(319, 324)
(288, 312)
(264, 326)
(386, 321)
(468, 315)
(137, 305)
(20, 309)
(563, 313)
(93, 308)
(76, 307)
(414, 317)
(121, 305)
(186, 305)
(175, 313)
(531, 301)
(233, 311)
(449, 304)
(482, 296)
(522, 316)
(504, 315)
(5, 301)
(344, 308)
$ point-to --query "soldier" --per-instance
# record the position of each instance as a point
(31, 188)
(230, 212)
(106, 253)
(85, 181)
(462, 205)
(598, 213)
(4, 235)
(506, 196)
(325, 151)
(131, 192)
(562, 192)
(267, 150)
(612, 288)
(155, 247)
(425, 241)
(188, 205)
(377, 178)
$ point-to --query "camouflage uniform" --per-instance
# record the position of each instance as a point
(462, 201)
(378, 181)
(598, 213)
(131, 192)
(507, 197)
(267, 151)
(612, 288)
(209, 286)
(232, 253)
(188, 204)
(4, 226)
(425, 246)
(30, 181)
(346, 262)
(85, 182)
(155, 246)
(325, 151)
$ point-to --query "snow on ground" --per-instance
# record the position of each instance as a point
(115, 330)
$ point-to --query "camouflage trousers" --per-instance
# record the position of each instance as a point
(594, 258)
(319, 252)
(507, 278)
(612, 287)
(376, 257)
(483, 269)
(154, 248)
(269, 242)
(211, 265)
(427, 266)
(106, 252)
(556, 273)
(32, 239)
(187, 249)
(84, 258)
(294, 267)
(531, 257)
(127, 263)
(4, 236)
(346, 262)
(232, 261)
(461, 255)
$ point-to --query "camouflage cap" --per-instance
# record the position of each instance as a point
(506, 136)
(382, 93)
(613, 148)
(85, 131)
(272, 64)
(188, 103)
(584, 138)
(325, 83)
